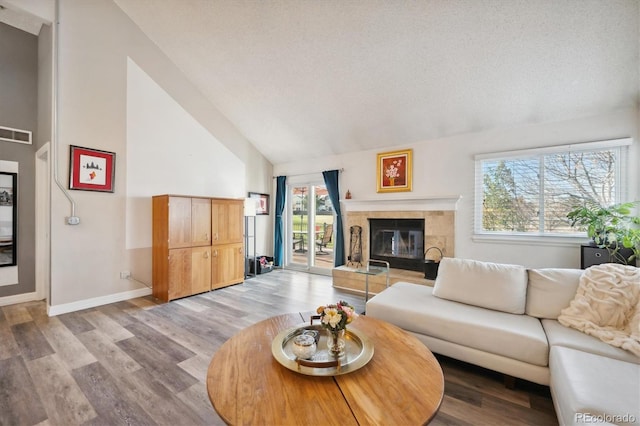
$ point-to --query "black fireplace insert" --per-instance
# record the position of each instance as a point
(398, 241)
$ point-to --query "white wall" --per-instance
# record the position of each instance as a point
(443, 167)
(104, 62)
(163, 141)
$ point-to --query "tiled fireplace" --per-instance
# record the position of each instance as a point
(438, 214)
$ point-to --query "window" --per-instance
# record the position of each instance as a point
(530, 192)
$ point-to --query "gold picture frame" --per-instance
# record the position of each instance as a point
(394, 171)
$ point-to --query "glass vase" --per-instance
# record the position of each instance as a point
(336, 343)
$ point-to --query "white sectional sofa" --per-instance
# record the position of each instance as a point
(505, 318)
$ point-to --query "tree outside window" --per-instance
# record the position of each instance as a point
(532, 194)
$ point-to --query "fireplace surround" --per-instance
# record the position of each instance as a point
(437, 213)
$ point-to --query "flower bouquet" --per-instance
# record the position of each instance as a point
(334, 318)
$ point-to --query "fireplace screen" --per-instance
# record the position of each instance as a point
(398, 241)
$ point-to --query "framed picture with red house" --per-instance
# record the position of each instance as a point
(91, 169)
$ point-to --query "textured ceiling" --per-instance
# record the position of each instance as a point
(310, 78)
(307, 78)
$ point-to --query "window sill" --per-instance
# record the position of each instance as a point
(536, 240)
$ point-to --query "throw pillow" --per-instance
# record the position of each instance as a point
(496, 286)
(607, 306)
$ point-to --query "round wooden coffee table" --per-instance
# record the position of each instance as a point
(402, 384)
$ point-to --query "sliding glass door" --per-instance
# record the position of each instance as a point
(310, 228)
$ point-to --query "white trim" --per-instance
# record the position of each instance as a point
(612, 143)
(9, 274)
(19, 298)
(8, 166)
(406, 204)
(97, 301)
(43, 228)
(531, 240)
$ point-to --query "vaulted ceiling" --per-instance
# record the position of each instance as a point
(304, 78)
(308, 78)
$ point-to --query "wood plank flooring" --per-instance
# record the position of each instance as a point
(142, 362)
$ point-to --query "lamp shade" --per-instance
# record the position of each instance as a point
(250, 205)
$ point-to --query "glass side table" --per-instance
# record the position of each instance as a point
(374, 267)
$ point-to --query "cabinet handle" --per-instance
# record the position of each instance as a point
(597, 254)
(206, 236)
(206, 254)
(240, 250)
(215, 253)
(215, 236)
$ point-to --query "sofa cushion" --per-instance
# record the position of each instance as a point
(550, 291)
(559, 335)
(413, 307)
(495, 286)
(588, 388)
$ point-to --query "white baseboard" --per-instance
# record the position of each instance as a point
(19, 298)
(97, 301)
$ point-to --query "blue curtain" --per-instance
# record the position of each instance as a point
(331, 182)
(278, 247)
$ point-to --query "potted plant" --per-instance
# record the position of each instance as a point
(632, 241)
(614, 228)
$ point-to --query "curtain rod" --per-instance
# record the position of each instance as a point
(310, 173)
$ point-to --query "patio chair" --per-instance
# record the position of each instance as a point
(325, 239)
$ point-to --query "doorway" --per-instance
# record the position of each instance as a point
(310, 225)
(43, 226)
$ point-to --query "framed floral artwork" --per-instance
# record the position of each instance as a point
(91, 169)
(394, 171)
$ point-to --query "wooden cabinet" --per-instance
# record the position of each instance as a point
(200, 222)
(178, 274)
(189, 272)
(183, 246)
(227, 221)
(227, 265)
(227, 228)
(189, 220)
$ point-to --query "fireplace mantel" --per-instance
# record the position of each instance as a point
(441, 203)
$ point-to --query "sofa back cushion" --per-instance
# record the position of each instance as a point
(550, 291)
(496, 286)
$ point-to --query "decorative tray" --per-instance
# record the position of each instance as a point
(358, 352)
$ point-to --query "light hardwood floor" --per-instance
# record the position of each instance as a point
(142, 362)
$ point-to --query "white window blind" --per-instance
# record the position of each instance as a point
(530, 192)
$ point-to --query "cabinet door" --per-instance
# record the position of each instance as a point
(227, 265)
(200, 269)
(179, 222)
(179, 273)
(227, 221)
(201, 221)
(235, 221)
